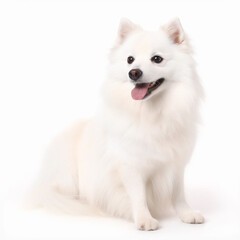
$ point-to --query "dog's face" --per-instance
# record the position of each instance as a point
(149, 61)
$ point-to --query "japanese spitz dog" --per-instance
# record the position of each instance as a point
(129, 160)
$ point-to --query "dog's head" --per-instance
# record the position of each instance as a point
(150, 61)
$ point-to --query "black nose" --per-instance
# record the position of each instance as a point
(135, 74)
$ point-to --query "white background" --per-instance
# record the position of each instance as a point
(53, 58)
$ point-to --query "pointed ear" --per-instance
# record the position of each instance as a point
(175, 31)
(126, 27)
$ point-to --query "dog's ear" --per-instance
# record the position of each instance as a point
(126, 27)
(175, 31)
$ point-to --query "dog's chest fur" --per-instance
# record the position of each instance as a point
(147, 138)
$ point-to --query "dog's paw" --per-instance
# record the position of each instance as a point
(192, 217)
(147, 224)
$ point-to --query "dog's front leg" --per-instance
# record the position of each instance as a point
(136, 189)
(185, 213)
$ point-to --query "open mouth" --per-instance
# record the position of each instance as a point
(143, 90)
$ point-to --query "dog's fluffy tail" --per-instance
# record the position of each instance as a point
(57, 188)
(53, 201)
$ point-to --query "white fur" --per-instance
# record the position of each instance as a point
(129, 160)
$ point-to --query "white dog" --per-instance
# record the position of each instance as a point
(129, 160)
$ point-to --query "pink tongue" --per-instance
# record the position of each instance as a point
(140, 91)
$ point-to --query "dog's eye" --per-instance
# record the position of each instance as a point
(156, 59)
(130, 59)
